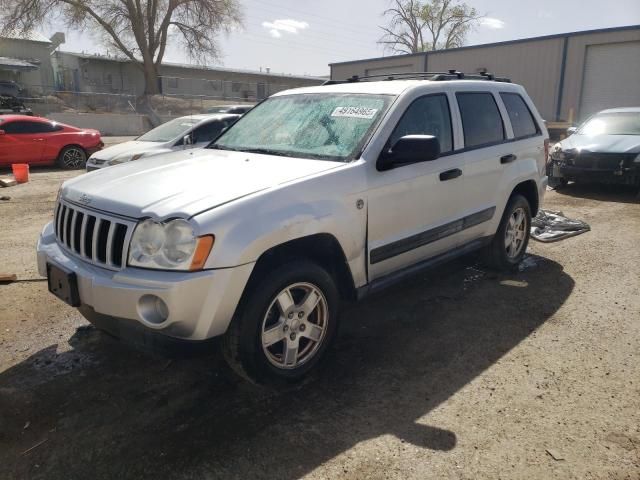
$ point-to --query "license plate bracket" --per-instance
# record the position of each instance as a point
(63, 284)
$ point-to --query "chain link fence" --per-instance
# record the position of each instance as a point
(180, 96)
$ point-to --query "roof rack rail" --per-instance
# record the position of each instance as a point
(434, 76)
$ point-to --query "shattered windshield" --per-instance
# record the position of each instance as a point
(170, 130)
(621, 123)
(328, 126)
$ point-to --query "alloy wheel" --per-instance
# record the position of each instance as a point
(73, 158)
(295, 325)
(515, 233)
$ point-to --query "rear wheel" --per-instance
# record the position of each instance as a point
(509, 244)
(72, 157)
(284, 325)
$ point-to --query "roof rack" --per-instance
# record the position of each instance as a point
(433, 76)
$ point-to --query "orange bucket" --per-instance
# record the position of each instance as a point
(20, 172)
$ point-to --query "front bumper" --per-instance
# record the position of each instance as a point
(606, 169)
(200, 304)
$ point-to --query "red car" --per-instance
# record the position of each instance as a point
(38, 141)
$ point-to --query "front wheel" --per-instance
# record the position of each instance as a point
(72, 157)
(509, 244)
(285, 324)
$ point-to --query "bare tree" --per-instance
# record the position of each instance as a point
(138, 29)
(418, 26)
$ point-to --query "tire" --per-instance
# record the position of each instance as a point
(505, 252)
(72, 157)
(273, 339)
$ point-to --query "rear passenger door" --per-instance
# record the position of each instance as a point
(486, 154)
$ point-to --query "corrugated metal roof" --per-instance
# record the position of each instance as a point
(495, 44)
(31, 36)
(90, 56)
(7, 63)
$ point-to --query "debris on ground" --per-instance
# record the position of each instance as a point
(4, 197)
(35, 446)
(557, 456)
(549, 226)
(8, 277)
(7, 182)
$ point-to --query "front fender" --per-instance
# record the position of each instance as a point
(325, 204)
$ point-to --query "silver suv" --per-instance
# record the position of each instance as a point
(316, 196)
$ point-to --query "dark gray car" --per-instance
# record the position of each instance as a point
(604, 149)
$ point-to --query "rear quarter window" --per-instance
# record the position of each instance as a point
(521, 118)
(481, 120)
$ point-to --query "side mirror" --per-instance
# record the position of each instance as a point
(187, 140)
(410, 149)
(2, 132)
(572, 130)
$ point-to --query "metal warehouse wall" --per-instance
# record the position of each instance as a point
(396, 63)
(534, 64)
(541, 65)
(574, 70)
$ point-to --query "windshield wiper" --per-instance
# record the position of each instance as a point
(263, 151)
(266, 151)
(222, 147)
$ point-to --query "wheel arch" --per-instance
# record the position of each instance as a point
(529, 190)
(71, 145)
(321, 248)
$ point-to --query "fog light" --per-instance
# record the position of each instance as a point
(152, 309)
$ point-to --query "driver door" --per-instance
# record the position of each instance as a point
(414, 210)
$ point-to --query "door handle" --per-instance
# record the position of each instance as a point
(508, 158)
(450, 174)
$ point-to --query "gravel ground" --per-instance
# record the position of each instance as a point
(461, 373)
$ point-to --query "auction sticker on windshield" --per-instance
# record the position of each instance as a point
(355, 112)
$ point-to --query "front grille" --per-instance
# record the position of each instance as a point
(94, 237)
(602, 161)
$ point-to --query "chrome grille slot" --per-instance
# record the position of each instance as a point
(95, 237)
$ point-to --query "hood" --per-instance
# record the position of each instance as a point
(182, 184)
(603, 143)
(129, 148)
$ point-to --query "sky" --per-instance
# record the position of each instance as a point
(302, 37)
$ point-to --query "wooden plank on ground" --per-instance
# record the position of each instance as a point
(8, 277)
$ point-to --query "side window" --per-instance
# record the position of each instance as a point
(16, 127)
(31, 127)
(43, 127)
(207, 133)
(481, 120)
(521, 118)
(427, 116)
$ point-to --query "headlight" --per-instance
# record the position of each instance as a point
(557, 153)
(125, 158)
(172, 245)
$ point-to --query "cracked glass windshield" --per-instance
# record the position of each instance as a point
(323, 126)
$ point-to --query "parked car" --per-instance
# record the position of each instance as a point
(10, 88)
(317, 196)
(38, 141)
(239, 109)
(10, 105)
(604, 149)
(177, 134)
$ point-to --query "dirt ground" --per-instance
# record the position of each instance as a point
(460, 374)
